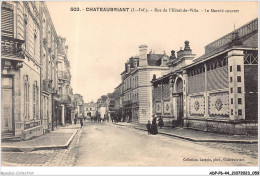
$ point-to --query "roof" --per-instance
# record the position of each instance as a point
(244, 44)
(152, 59)
(244, 32)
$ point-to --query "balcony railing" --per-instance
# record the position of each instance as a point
(63, 75)
(65, 99)
(46, 86)
(128, 102)
(11, 47)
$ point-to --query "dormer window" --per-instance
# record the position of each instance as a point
(164, 61)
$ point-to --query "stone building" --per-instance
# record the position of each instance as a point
(136, 83)
(217, 91)
(117, 93)
(90, 109)
(79, 108)
(102, 106)
(66, 108)
(50, 113)
(29, 48)
(21, 64)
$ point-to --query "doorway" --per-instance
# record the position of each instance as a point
(7, 105)
(179, 92)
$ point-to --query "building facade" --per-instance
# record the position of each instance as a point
(50, 113)
(136, 83)
(21, 69)
(66, 108)
(117, 106)
(79, 105)
(216, 92)
(90, 109)
(102, 106)
(29, 48)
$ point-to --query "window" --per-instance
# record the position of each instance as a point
(7, 18)
(231, 79)
(231, 90)
(164, 62)
(231, 100)
(231, 112)
(230, 68)
(238, 68)
(238, 78)
(240, 112)
(26, 97)
(239, 100)
(35, 43)
(35, 100)
(239, 90)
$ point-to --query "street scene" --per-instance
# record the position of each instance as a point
(108, 144)
(139, 84)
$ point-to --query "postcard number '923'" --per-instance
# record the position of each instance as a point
(74, 9)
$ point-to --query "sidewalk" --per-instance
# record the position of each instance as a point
(197, 136)
(61, 138)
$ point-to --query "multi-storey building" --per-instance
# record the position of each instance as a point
(102, 106)
(50, 110)
(117, 93)
(90, 109)
(79, 102)
(29, 49)
(136, 82)
(110, 102)
(216, 92)
(64, 83)
(21, 69)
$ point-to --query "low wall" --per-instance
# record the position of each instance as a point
(224, 127)
(32, 132)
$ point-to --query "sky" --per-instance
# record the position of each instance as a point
(101, 42)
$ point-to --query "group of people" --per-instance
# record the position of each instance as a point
(152, 128)
(80, 119)
(119, 118)
(98, 118)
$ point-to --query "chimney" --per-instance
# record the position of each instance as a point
(135, 64)
(128, 68)
(143, 55)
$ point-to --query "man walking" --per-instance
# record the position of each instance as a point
(81, 122)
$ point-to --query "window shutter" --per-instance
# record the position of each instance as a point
(7, 20)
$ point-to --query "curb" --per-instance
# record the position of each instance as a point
(207, 140)
(200, 140)
(30, 149)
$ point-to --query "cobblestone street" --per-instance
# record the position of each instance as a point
(97, 145)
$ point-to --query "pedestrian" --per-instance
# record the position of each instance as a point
(75, 121)
(81, 122)
(154, 129)
(160, 122)
(148, 126)
(84, 117)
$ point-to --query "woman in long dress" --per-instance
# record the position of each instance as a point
(154, 129)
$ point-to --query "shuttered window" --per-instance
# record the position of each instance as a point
(7, 20)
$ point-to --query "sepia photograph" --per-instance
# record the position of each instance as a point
(106, 85)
